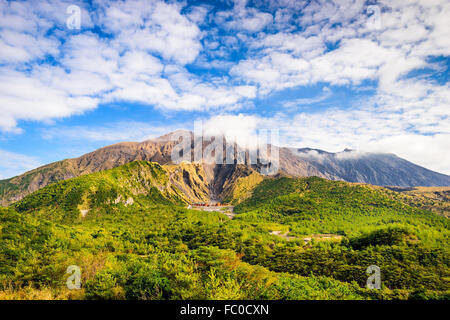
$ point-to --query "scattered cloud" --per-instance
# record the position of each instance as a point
(142, 59)
(12, 164)
(243, 18)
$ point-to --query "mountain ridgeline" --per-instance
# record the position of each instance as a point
(372, 168)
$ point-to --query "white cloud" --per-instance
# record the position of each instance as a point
(243, 18)
(23, 34)
(139, 61)
(241, 128)
(197, 14)
(338, 11)
(407, 36)
(428, 151)
(28, 97)
(154, 26)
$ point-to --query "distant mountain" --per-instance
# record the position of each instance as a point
(382, 169)
(351, 166)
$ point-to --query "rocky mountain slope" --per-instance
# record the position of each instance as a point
(377, 169)
(381, 169)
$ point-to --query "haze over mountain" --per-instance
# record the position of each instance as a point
(352, 166)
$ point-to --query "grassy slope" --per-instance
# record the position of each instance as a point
(139, 182)
(155, 249)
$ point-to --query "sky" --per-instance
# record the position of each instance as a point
(329, 74)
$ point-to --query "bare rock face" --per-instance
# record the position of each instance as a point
(349, 165)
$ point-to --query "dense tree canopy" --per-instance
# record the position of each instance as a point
(291, 239)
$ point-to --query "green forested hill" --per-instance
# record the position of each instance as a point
(315, 205)
(140, 182)
(152, 247)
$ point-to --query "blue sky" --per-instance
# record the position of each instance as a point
(329, 74)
